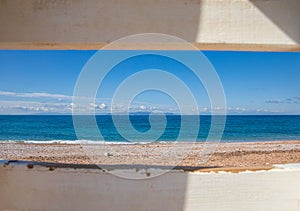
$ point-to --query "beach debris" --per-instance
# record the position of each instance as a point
(107, 154)
(30, 165)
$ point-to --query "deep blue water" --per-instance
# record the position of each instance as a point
(60, 127)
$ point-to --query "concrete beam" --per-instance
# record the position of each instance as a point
(30, 186)
(210, 24)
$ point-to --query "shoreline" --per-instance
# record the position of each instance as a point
(78, 142)
(227, 154)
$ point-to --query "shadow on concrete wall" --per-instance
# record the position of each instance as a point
(285, 14)
(52, 186)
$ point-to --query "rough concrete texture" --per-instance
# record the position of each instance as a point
(211, 24)
(40, 187)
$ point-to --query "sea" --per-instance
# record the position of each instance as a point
(60, 128)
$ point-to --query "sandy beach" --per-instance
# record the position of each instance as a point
(248, 154)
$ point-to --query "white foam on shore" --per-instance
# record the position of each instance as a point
(84, 142)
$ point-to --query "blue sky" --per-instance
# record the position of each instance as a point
(254, 82)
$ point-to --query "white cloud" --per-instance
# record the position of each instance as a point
(29, 107)
(203, 109)
(142, 107)
(262, 110)
(102, 106)
(237, 109)
(92, 105)
(59, 97)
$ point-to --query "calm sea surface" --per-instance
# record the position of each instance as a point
(42, 128)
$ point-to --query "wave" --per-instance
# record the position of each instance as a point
(138, 142)
(80, 142)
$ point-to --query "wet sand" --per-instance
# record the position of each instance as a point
(249, 154)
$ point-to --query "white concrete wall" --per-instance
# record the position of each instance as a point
(39, 188)
(246, 21)
(215, 24)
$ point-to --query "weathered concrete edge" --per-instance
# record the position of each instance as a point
(149, 46)
(214, 169)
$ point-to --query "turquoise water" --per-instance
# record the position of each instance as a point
(42, 128)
